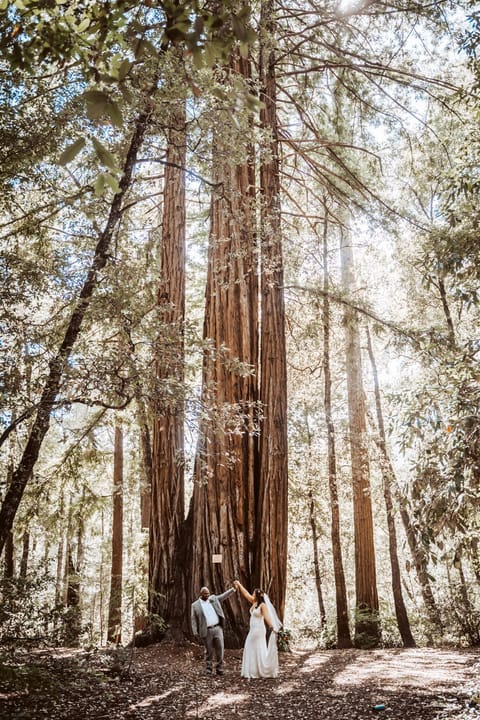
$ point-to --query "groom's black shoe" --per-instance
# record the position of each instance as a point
(220, 672)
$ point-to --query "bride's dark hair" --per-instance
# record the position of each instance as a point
(258, 595)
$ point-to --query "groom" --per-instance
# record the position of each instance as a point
(207, 622)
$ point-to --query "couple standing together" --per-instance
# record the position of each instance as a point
(260, 659)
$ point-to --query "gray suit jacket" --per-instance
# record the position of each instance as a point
(199, 625)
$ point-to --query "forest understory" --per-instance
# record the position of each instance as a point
(167, 681)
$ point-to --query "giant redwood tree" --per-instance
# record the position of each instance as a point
(223, 503)
(168, 491)
(272, 504)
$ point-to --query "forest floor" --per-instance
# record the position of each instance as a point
(167, 681)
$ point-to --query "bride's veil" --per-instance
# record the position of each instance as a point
(276, 624)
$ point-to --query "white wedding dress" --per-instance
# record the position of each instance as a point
(259, 659)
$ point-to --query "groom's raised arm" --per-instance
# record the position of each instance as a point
(226, 594)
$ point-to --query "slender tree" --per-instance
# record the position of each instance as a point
(343, 629)
(316, 559)
(114, 632)
(400, 609)
(22, 572)
(367, 628)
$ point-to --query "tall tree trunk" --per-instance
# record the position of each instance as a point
(22, 573)
(316, 561)
(446, 310)
(222, 511)
(167, 507)
(9, 554)
(367, 627)
(114, 633)
(146, 451)
(420, 561)
(9, 557)
(400, 609)
(59, 595)
(343, 630)
(58, 363)
(73, 621)
(272, 497)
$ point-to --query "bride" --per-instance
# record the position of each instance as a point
(259, 659)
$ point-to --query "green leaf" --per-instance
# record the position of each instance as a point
(114, 113)
(97, 102)
(244, 48)
(100, 185)
(209, 54)
(71, 151)
(112, 181)
(145, 48)
(239, 29)
(104, 155)
(124, 69)
(198, 58)
(83, 25)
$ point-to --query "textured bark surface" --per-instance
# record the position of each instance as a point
(146, 450)
(223, 502)
(341, 602)
(272, 504)
(167, 492)
(367, 630)
(115, 600)
(316, 560)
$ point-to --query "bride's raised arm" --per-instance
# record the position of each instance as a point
(238, 586)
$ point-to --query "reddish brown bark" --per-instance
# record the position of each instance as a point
(223, 503)
(167, 470)
(114, 632)
(343, 629)
(272, 496)
(367, 628)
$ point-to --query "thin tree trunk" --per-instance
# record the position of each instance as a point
(222, 511)
(146, 450)
(9, 555)
(417, 551)
(367, 627)
(167, 510)
(446, 310)
(400, 609)
(272, 498)
(59, 599)
(58, 363)
(24, 559)
(420, 562)
(316, 561)
(343, 630)
(114, 633)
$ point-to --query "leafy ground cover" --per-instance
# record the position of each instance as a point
(167, 681)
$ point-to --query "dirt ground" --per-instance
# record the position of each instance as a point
(166, 681)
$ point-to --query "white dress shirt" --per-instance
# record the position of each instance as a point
(210, 613)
